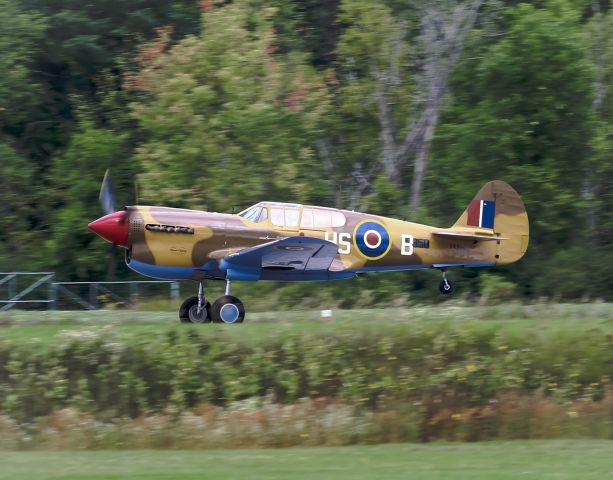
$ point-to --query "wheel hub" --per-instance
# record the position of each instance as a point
(229, 313)
(196, 316)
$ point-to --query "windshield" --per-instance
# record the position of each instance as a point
(254, 214)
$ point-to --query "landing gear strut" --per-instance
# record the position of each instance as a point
(196, 309)
(226, 309)
(445, 287)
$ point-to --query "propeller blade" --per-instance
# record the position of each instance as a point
(135, 192)
(107, 194)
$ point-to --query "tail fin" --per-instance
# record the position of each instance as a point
(498, 209)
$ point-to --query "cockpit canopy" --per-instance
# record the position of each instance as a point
(257, 213)
(294, 215)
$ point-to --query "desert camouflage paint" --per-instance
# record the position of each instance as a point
(198, 241)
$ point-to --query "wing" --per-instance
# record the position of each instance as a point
(292, 255)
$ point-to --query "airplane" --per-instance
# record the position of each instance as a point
(294, 242)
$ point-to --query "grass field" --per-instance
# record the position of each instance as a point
(24, 326)
(559, 460)
(566, 355)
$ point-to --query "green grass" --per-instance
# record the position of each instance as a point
(47, 327)
(560, 460)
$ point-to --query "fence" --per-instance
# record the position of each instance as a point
(32, 289)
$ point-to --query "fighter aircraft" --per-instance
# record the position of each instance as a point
(293, 242)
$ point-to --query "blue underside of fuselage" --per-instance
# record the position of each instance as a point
(162, 272)
(402, 268)
(210, 269)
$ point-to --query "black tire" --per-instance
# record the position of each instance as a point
(187, 305)
(231, 314)
(184, 308)
(445, 287)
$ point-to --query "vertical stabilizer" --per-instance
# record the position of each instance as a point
(498, 209)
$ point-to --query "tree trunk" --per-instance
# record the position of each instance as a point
(419, 166)
(443, 39)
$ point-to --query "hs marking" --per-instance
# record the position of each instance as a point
(343, 240)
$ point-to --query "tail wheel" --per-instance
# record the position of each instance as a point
(228, 309)
(445, 287)
(188, 312)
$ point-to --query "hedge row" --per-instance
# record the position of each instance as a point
(310, 422)
(431, 366)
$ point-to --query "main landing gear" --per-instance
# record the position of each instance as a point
(445, 287)
(226, 309)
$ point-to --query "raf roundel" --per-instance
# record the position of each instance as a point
(371, 239)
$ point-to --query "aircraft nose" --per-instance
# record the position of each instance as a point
(112, 227)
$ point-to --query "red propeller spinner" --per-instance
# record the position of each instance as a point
(112, 227)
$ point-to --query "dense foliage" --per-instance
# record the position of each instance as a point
(218, 104)
(429, 366)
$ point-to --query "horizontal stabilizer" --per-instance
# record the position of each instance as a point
(468, 236)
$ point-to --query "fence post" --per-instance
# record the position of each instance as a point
(12, 287)
(133, 292)
(93, 295)
(52, 305)
(174, 291)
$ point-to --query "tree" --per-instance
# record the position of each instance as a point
(85, 38)
(80, 43)
(521, 111)
(372, 41)
(73, 251)
(20, 32)
(373, 51)
(600, 187)
(228, 120)
(16, 208)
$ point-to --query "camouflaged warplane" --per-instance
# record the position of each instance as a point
(291, 242)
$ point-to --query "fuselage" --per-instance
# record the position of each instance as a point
(291, 242)
(172, 243)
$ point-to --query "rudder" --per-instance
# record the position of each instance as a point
(497, 208)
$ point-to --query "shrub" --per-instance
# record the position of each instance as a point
(433, 365)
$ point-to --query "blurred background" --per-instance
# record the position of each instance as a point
(402, 108)
(397, 108)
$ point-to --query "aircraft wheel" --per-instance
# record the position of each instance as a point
(188, 313)
(445, 287)
(228, 309)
